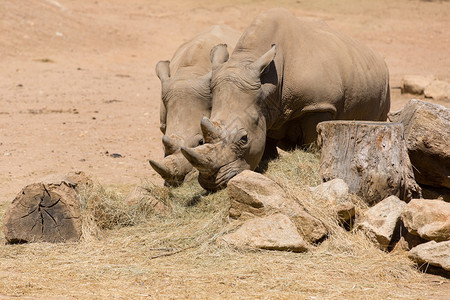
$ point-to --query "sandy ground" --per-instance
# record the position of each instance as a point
(77, 79)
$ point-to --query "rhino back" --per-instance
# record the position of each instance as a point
(316, 69)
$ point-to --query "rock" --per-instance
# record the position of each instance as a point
(435, 254)
(426, 130)
(274, 232)
(334, 194)
(415, 84)
(429, 219)
(254, 195)
(438, 90)
(140, 195)
(334, 191)
(381, 221)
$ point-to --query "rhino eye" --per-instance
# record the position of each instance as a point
(244, 139)
(201, 142)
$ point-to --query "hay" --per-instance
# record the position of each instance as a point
(130, 251)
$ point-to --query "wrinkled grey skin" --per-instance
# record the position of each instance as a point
(283, 78)
(186, 98)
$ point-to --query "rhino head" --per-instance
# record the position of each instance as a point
(236, 134)
(186, 98)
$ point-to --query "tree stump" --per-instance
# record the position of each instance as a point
(48, 211)
(427, 134)
(371, 157)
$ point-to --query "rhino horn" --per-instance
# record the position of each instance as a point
(210, 131)
(170, 144)
(161, 169)
(196, 159)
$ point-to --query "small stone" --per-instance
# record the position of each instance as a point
(139, 194)
(334, 194)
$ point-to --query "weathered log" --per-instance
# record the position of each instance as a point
(427, 135)
(48, 211)
(371, 157)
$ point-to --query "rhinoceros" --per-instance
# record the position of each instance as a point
(186, 98)
(284, 77)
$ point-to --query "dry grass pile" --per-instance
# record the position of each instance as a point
(131, 251)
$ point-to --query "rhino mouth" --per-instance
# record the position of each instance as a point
(219, 180)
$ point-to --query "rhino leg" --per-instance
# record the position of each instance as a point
(308, 124)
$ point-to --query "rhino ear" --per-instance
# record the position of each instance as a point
(264, 61)
(219, 55)
(162, 70)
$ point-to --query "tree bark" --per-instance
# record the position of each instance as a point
(48, 211)
(371, 157)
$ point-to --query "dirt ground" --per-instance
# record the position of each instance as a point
(77, 79)
(78, 84)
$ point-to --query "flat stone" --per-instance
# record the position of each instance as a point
(274, 232)
(433, 253)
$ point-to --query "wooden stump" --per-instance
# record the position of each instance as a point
(47, 211)
(371, 157)
(427, 134)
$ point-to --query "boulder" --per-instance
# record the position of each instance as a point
(415, 84)
(254, 195)
(438, 90)
(382, 221)
(274, 232)
(429, 219)
(435, 254)
(426, 130)
(334, 194)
